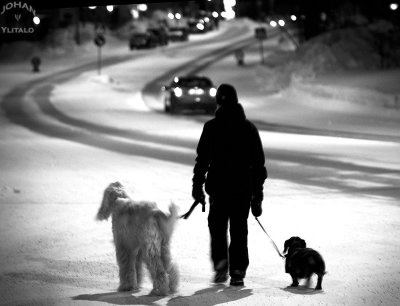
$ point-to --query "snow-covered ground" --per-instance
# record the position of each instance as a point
(53, 252)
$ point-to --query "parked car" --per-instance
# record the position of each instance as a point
(178, 34)
(142, 40)
(161, 35)
(190, 93)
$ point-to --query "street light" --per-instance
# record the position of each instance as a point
(273, 23)
(171, 16)
(394, 6)
(110, 8)
(178, 16)
(293, 17)
(281, 22)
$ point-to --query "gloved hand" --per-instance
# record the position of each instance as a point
(198, 194)
(256, 205)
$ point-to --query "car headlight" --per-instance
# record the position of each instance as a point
(213, 92)
(178, 92)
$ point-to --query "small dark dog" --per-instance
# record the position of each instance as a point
(302, 262)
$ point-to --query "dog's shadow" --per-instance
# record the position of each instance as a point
(118, 298)
(211, 296)
(303, 290)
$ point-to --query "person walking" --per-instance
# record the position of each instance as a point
(230, 163)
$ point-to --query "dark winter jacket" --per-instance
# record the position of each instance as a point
(230, 157)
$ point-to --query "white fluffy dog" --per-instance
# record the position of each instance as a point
(141, 233)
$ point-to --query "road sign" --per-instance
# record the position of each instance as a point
(261, 33)
(99, 40)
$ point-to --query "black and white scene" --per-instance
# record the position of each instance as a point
(210, 152)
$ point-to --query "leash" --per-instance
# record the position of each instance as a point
(195, 203)
(273, 243)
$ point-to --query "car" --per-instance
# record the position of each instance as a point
(161, 35)
(190, 93)
(142, 40)
(178, 34)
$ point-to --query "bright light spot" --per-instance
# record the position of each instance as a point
(293, 17)
(178, 92)
(92, 7)
(178, 16)
(213, 92)
(200, 26)
(36, 20)
(394, 6)
(281, 22)
(171, 16)
(176, 79)
(206, 19)
(110, 8)
(142, 7)
(273, 23)
(135, 13)
(215, 14)
(229, 12)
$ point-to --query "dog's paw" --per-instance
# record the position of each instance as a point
(123, 288)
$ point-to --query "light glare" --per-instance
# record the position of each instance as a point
(36, 20)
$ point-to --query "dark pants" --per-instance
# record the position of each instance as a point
(234, 212)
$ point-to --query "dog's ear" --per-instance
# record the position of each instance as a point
(287, 245)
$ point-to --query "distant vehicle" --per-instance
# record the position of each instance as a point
(161, 35)
(196, 26)
(143, 40)
(178, 34)
(190, 93)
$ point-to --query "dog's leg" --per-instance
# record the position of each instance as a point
(135, 264)
(139, 268)
(319, 282)
(295, 282)
(157, 271)
(173, 277)
(172, 270)
(124, 259)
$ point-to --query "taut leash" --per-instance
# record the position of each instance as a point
(270, 239)
(195, 203)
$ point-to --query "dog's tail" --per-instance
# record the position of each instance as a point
(167, 221)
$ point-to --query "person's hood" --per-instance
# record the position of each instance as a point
(230, 113)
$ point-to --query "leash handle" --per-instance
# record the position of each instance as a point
(195, 203)
(270, 239)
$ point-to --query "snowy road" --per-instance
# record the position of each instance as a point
(76, 132)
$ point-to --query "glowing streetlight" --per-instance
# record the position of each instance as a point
(293, 17)
(171, 16)
(281, 22)
(110, 8)
(215, 14)
(273, 23)
(394, 6)
(92, 7)
(36, 20)
(178, 16)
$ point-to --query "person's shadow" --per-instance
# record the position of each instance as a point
(211, 296)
